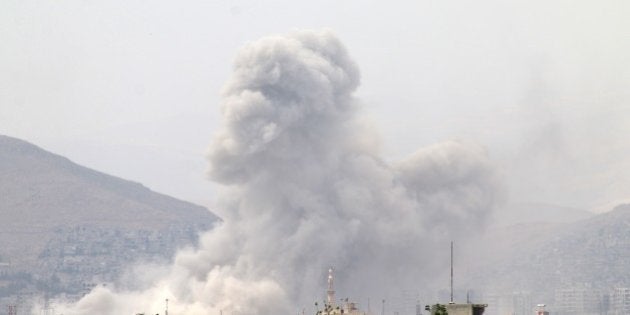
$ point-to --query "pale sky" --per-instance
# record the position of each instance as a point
(132, 88)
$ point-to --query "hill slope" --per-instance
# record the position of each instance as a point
(52, 209)
(39, 188)
(590, 255)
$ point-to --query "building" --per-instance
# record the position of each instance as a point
(620, 301)
(457, 309)
(580, 301)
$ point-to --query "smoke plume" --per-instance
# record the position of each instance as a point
(304, 188)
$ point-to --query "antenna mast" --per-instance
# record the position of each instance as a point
(451, 272)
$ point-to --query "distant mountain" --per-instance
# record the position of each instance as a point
(39, 187)
(532, 212)
(592, 255)
(52, 209)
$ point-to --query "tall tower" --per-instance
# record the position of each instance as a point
(540, 309)
(331, 289)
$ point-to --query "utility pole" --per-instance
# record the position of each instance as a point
(451, 272)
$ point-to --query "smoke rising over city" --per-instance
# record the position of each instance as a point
(125, 126)
(303, 187)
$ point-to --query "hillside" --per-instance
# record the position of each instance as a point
(519, 213)
(52, 209)
(42, 189)
(590, 255)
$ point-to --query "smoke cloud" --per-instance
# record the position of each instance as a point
(304, 188)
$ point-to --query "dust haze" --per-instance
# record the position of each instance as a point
(303, 187)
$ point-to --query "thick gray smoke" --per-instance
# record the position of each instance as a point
(304, 188)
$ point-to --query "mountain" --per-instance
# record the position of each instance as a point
(57, 217)
(587, 258)
(533, 212)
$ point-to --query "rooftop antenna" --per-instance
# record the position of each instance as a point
(451, 302)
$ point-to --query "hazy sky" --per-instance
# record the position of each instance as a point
(132, 88)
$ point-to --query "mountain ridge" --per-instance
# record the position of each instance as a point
(30, 172)
(63, 225)
(591, 254)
